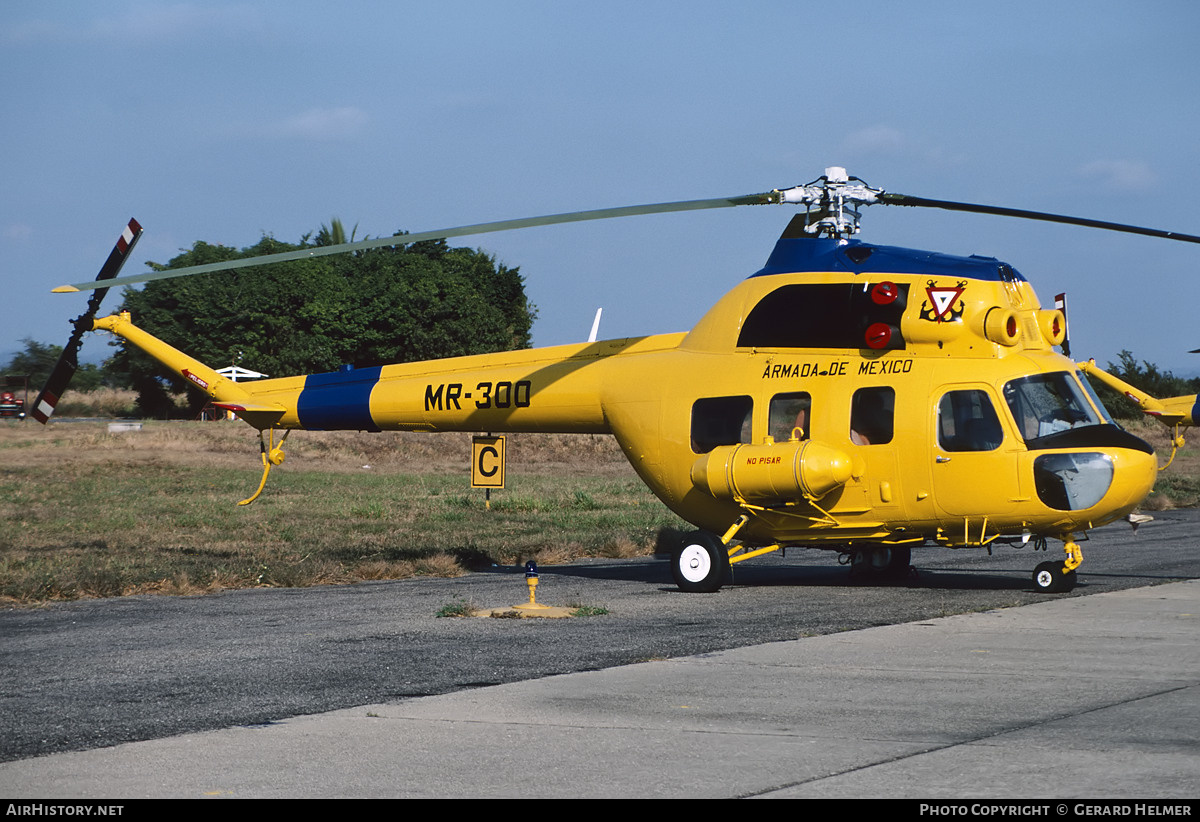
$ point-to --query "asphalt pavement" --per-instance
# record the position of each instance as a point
(1092, 697)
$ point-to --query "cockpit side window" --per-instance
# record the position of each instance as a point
(1046, 404)
(720, 421)
(1091, 392)
(872, 416)
(967, 421)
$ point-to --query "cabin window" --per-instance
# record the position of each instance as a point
(720, 421)
(791, 412)
(967, 421)
(872, 416)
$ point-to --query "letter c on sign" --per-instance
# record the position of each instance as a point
(488, 451)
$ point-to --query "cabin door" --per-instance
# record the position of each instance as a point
(975, 459)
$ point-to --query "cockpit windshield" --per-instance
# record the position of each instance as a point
(1046, 404)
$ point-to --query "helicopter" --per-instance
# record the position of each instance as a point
(847, 396)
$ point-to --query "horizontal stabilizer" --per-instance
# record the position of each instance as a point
(260, 415)
(250, 408)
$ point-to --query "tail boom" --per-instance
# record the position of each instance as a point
(552, 390)
(219, 388)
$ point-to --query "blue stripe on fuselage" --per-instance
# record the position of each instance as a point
(340, 400)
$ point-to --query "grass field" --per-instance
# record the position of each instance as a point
(88, 513)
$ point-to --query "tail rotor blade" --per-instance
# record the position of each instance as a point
(60, 378)
(116, 259)
(68, 361)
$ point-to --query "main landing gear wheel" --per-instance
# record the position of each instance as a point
(1050, 578)
(881, 561)
(700, 564)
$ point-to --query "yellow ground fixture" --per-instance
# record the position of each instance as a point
(531, 579)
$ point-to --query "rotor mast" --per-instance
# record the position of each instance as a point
(831, 202)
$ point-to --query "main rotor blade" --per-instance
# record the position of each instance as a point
(889, 198)
(441, 234)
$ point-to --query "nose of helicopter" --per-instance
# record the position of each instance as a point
(1098, 486)
(1133, 479)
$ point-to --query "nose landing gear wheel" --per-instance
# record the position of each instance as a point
(701, 563)
(1049, 578)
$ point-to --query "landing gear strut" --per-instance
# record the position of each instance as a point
(1059, 577)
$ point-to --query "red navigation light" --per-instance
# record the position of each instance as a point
(878, 335)
(884, 293)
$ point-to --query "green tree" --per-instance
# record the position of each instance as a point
(399, 304)
(34, 359)
(334, 234)
(37, 360)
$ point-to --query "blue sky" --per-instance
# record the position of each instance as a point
(221, 121)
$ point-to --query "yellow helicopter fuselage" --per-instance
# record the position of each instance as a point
(847, 393)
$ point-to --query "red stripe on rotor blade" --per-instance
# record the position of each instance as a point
(47, 399)
(131, 231)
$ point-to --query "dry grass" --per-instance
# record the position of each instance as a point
(100, 402)
(89, 513)
(1178, 486)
